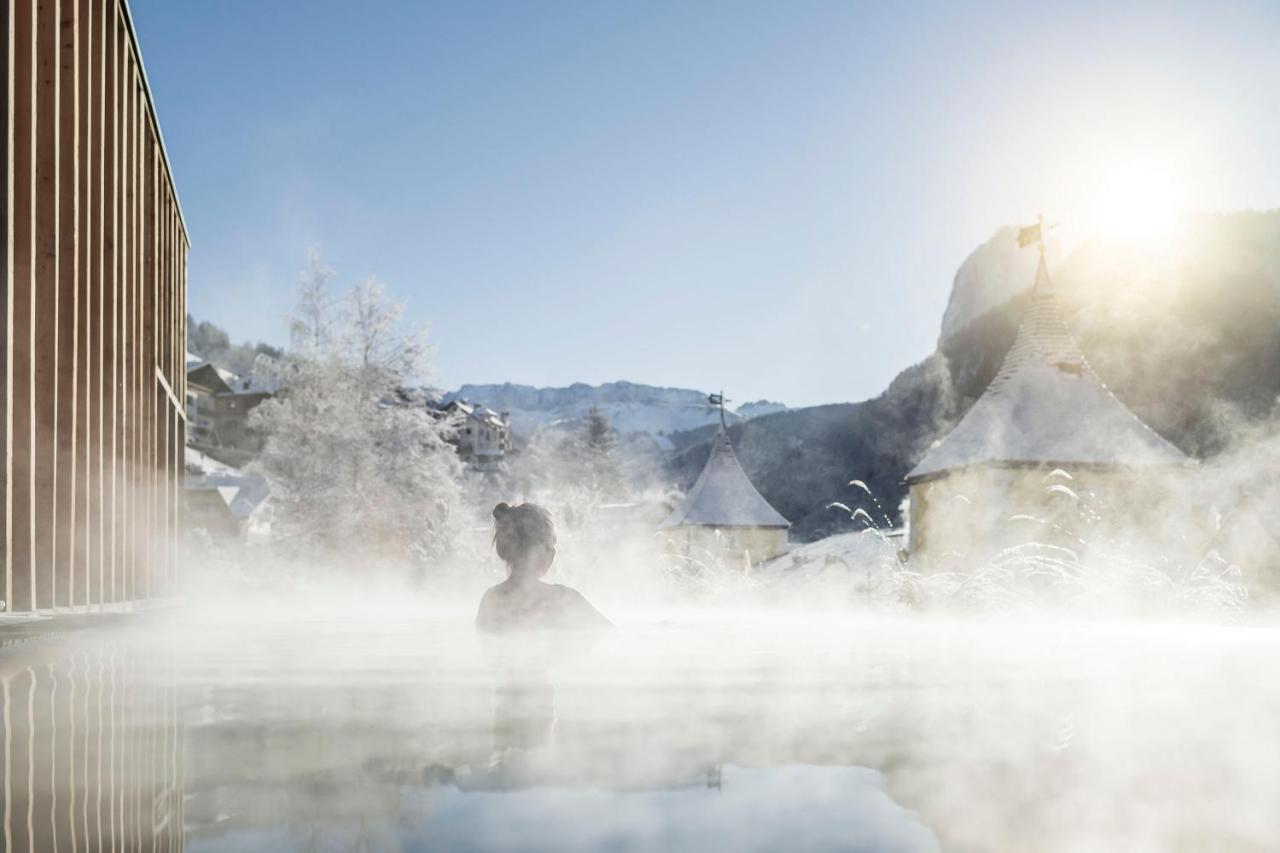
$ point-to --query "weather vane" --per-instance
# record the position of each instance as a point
(1034, 234)
(718, 400)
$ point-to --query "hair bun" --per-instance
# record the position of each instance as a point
(501, 509)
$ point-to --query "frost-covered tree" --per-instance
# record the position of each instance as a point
(357, 464)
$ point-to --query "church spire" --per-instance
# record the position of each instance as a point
(723, 495)
(1046, 406)
(718, 401)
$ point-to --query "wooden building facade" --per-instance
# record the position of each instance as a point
(94, 315)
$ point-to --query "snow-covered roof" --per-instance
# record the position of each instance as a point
(202, 464)
(723, 496)
(484, 414)
(256, 384)
(195, 363)
(1047, 406)
(242, 493)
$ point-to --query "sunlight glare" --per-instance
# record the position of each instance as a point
(1138, 203)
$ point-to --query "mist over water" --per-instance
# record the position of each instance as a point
(326, 722)
(1082, 670)
(1087, 665)
(1026, 598)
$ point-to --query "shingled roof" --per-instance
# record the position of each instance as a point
(1046, 406)
(723, 496)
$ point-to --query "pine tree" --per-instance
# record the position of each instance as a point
(602, 473)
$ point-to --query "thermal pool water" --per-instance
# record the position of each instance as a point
(743, 731)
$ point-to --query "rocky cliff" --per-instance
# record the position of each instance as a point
(1187, 336)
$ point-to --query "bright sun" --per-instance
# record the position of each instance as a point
(1139, 203)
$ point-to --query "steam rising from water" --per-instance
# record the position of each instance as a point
(386, 722)
(837, 697)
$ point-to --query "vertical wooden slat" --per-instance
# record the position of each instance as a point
(165, 438)
(168, 444)
(162, 421)
(6, 309)
(109, 306)
(45, 350)
(137, 393)
(178, 458)
(148, 381)
(84, 324)
(68, 314)
(157, 398)
(178, 345)
(97, 465)
(136, 325)
(123, 294)
(177, 466)
(126, 312)
(161, 567)
(139, 403)
(122, 309)
(20, 483)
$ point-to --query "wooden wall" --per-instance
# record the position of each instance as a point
(93, 316)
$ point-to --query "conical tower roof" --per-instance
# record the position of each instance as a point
(1046, 406)
(723, 496)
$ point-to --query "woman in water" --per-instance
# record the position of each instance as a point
(525, 538)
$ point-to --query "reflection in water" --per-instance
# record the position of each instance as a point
(403, 737)
(524, 714)
(92, 756)
(527, 751)
(364, 734)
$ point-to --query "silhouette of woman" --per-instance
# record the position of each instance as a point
(525, 538)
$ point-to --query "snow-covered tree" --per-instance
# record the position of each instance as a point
(357, 464)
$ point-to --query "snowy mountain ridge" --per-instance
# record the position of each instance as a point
(630, 407)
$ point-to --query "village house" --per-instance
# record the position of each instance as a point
(723, 516)
(222, 501)
(203, 380)
(1045, 434)
(218, 407)
(483, 438)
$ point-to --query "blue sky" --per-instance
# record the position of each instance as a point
(766, 197)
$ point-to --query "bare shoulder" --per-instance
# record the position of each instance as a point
(569, 595)
(491, 600)
(588, 614)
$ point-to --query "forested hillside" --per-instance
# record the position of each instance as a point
(1187, 335)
